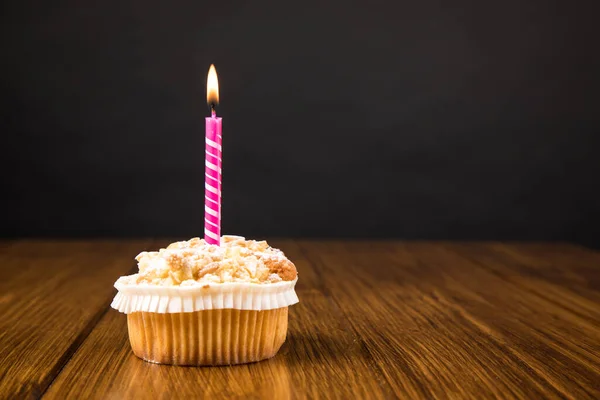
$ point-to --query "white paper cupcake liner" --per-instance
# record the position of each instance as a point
(209, 337)
(177, 299)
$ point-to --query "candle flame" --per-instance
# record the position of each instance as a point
(212, 86)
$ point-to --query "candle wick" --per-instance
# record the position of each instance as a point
(213, 112)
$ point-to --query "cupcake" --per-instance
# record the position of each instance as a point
(199, 304)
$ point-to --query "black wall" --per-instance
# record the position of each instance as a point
(421, 119)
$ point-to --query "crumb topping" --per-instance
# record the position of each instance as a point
(194, 262)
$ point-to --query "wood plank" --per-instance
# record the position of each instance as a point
(563, 323)
(440, 325)
(321, 357)
(52, 294)
(536, 321)
(563, 264)
(377, 319)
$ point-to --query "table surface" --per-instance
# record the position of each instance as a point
(376, 319)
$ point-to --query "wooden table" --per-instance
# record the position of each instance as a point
(380, 319)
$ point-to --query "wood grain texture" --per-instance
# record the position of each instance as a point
(461, 324)
(321, 355)
(381, 319)
(51, 296)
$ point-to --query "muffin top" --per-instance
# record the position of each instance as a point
(194, 262)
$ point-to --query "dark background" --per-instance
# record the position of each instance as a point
(423, 119)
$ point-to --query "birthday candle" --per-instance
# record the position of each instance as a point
(213, 160)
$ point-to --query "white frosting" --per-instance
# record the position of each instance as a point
(176, 299)
(192, 276)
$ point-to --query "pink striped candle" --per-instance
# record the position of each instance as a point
(213, 160)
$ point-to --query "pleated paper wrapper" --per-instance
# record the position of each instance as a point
(210, 337)
(226, 323)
